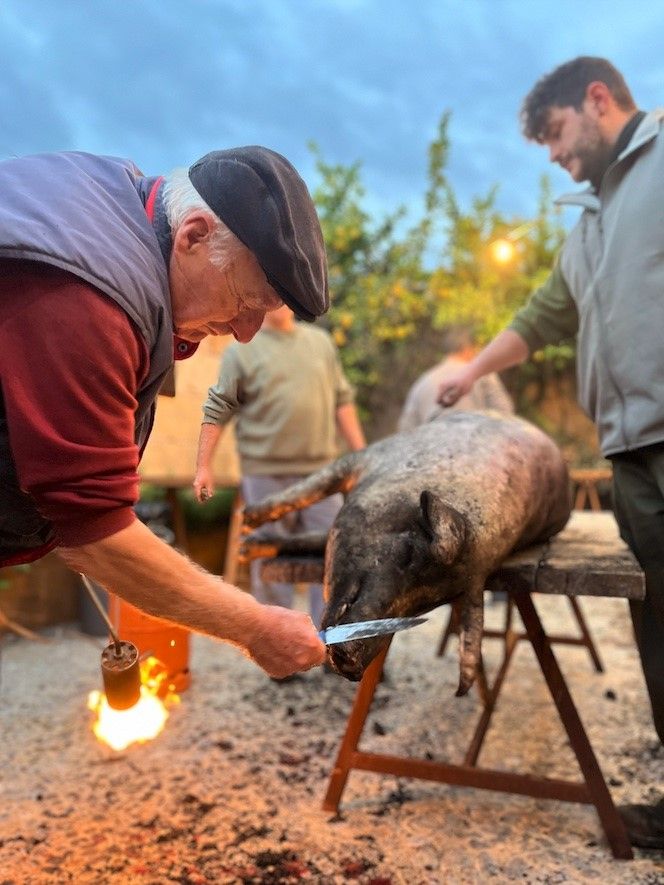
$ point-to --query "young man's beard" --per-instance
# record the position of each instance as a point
(594, 154)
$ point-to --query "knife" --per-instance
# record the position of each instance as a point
(364, 629)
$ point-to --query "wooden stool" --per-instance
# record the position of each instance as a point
(585, 482)
(232, 559)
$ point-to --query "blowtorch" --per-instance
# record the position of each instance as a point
(120, 666)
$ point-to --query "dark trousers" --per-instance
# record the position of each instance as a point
(638, 499)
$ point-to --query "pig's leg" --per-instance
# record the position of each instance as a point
(471, 623)
(339, 476)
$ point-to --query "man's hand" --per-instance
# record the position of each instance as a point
(139, 567)
(507, 349)
(455, 386)
(286, 642)
(203, 484)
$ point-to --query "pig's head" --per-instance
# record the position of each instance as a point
(392, 557)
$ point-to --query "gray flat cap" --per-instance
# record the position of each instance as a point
(259, 195)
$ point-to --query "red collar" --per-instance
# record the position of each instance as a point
(152, 196)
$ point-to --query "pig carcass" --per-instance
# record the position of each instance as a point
(429, 514)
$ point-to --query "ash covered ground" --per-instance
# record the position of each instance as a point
(231, 792)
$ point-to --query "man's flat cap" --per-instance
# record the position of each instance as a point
(262, 199)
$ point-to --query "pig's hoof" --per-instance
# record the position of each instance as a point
(465, 683)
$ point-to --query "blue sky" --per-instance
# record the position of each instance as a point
(163, 82)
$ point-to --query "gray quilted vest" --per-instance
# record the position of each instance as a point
(84, 214)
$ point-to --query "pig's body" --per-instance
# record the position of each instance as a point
(429, 514)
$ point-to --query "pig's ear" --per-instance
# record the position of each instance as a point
(445, 526)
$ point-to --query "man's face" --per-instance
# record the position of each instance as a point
(208, 300)
(577, 143)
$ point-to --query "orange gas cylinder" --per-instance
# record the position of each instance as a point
(163, 640)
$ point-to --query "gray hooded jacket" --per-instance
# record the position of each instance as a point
(608, 287)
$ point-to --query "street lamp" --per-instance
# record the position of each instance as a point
(503, 249)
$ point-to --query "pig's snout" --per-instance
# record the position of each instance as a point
(350, 659)
(345, 662)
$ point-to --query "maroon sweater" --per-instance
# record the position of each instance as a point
(70, 363)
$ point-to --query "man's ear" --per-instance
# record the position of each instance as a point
(194, 231)
(599, 97)
(446, 527)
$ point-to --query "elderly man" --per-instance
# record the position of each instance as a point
(606, 289)
(105, 275)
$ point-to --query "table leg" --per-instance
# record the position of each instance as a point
(585, 633)
(177, 515)
(354, 728)
(594, 779)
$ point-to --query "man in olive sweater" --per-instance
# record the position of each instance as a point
(290, 396)
(606, 289)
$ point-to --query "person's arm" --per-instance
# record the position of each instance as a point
(71, 362)
(408, 419)
(223, 401)
(549, 317)
(350, 427)
(507, 349)
(345, 413)
(139, 567)
(208, 441)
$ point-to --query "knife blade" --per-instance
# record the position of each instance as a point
(365, 629)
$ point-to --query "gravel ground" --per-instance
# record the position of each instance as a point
(231, 792)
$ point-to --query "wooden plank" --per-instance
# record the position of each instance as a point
(588, 558)
(170, 456)
(294, 570)
(257, 543)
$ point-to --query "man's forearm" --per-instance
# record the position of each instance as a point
(207, 443)
(136, 565)
(507, 349)
(350, 427)
(139, 567)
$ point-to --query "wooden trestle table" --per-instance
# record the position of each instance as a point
(587, 558)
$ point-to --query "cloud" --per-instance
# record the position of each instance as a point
(165, 81)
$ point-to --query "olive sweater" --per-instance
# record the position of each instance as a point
(284, 389)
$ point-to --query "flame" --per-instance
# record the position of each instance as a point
(142, 722)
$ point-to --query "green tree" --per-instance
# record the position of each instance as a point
(376, 277)
(396, 287)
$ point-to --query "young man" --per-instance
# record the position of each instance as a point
(606, 288)
(290, 396)
(104, 274)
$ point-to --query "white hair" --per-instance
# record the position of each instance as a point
(181, 199)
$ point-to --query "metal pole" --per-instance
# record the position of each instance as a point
(100, 608)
